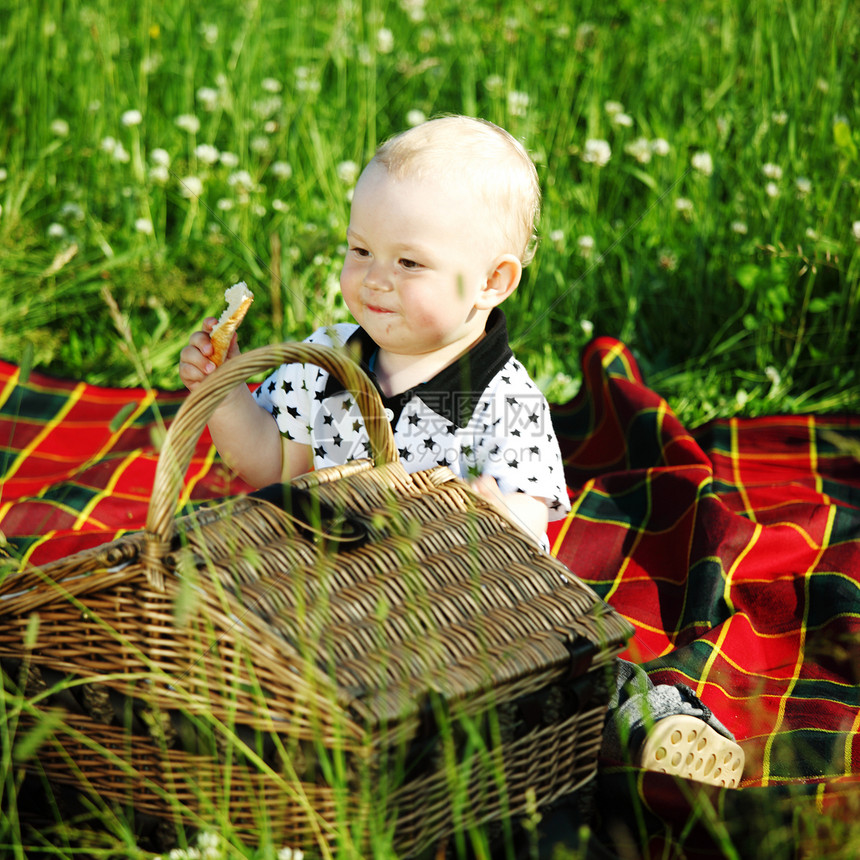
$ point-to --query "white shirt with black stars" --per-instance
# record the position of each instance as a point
(481, 415)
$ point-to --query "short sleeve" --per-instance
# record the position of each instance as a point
(513, 440)
(286, 394)
(290, 392)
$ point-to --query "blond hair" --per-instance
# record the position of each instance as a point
(482, 155)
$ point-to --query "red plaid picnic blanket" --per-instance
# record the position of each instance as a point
(733, 549)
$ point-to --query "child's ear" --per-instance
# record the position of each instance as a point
(502, 281)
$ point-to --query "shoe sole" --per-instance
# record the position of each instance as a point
(688, 747)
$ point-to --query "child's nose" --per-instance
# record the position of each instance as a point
(376, 277)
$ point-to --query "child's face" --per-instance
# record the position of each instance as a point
(419, 256)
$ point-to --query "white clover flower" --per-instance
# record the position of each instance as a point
(613, 108)
(585, 245)
(160, 157)
(773, 375)
(280, 206)
(208, 98)
(703, 162)
(306, 81)
(206, 153)
(855, 230)
(772, 171)
(771, 189)
(230, 160)
(556, 236)
(384, 40)
(224, 204)
(668, 260)
(282, 169)
(56, 231)
(108, 145)
(779, 117)
(242, 180)
(812, 234)
(587, 327)
(159, 174)
(597, 152)
(518, 103)
(209, 32)
(640, 149)
(60, 128)
(3, 174)
(290, 854)
(131, 118)
(660, 146)
(258, 209)
(260, 144)
(415, 117)
(188, 122)
(271, 85)
(120, 154)
(207, 839)
(347, 172)
(803, 186)
(264, 108)
(741, 398)
(683, 205)
(740, 228)
(270, 126)
(143, 225)
(191, 187)
(414, 9)
(494, 84)
(152, 63)
(584, 35)
(823, 84)
(72, 211)
(622, 119)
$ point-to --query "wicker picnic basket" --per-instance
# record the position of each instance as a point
(362, 651)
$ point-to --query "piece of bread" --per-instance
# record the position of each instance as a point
(238, 298)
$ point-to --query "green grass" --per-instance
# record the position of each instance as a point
(719, 241)
(736, 287)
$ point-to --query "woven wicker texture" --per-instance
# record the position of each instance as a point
(346, 612)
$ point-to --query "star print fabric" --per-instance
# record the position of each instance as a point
(498, 425)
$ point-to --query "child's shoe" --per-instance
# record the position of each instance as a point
(688, 747)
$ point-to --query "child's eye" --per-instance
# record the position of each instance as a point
(360, 252)
(409, 264)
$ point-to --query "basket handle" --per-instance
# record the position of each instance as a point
(191, 419)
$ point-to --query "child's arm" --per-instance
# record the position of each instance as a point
(246, 435)
(527, 511)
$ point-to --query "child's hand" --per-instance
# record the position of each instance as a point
(528, 512)
(195, 363)
(488, 489)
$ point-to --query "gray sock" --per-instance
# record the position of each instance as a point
(637, 704)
